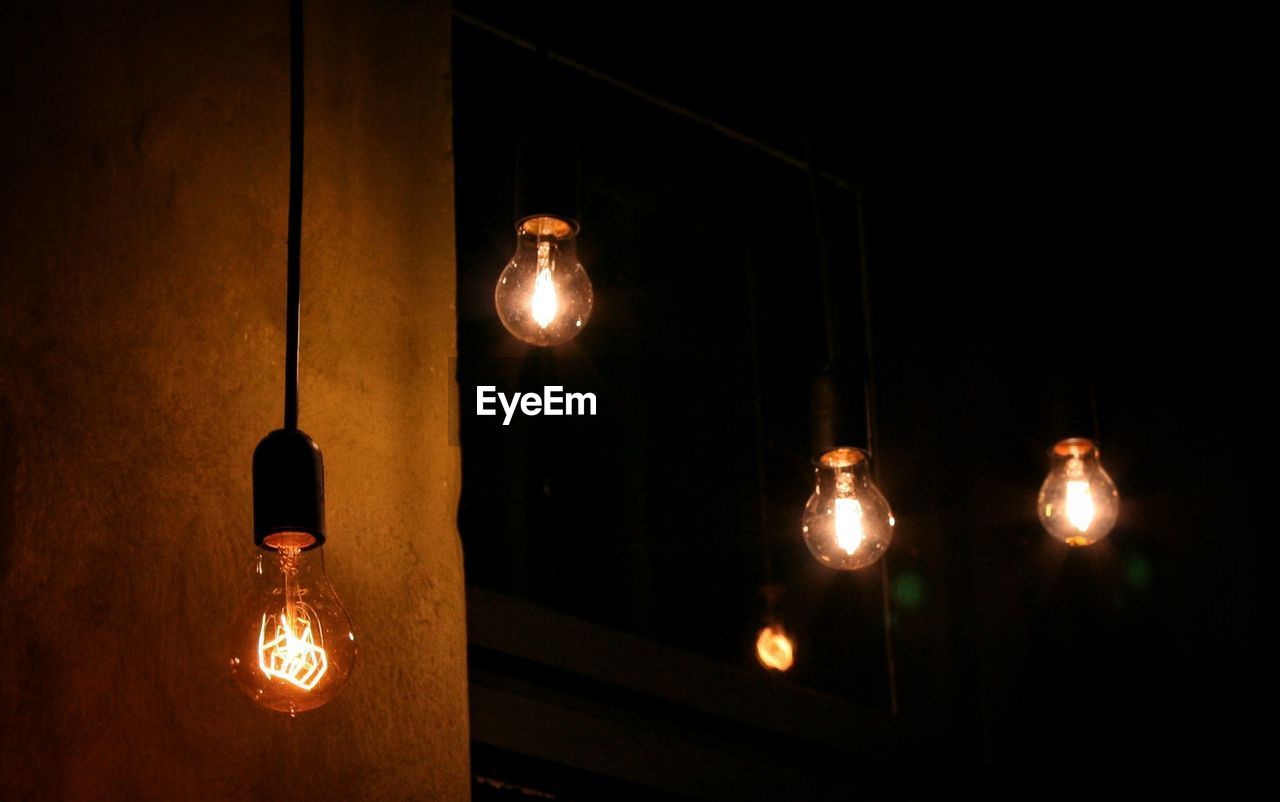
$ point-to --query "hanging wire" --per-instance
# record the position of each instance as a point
(542, 73)
(869, 394)
(816, 178)
(640, 94)
(830, 325)
(762, 477)
(293, 292)
(1093, 412)
(832, 334)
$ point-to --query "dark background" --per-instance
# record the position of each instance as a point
(1035, 214)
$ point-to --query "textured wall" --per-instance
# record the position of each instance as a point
(144, 168)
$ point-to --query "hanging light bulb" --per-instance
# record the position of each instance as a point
(1078, 502)
(847, 521)
(774, 649)
(293, 647)
(544, 295)
(292, 643)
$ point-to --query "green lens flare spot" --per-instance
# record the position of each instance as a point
(909, 590)
(1137, 569)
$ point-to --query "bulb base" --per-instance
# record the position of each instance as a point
(546, 227)
(1074, 447)
(288, 491)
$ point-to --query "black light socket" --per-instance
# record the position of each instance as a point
(837, 413)
(547, 177)
(288, 487)
(1071, 408)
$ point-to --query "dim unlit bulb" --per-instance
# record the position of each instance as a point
(292, 646)
(1078, 502)
(774, 649)
(847, 521)
(544, 296)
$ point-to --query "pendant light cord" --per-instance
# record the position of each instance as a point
(869, 396)
(1093, 412)
(762, 474)
(830, 324)
(293, 297)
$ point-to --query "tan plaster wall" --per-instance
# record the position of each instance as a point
(143, 189)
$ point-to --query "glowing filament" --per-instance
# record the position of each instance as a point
(1080, 509)
(292, 653)
(849, 533)
(774, 649)
(544, 304)
(295, 651)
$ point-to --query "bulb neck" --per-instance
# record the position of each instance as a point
(1074, 450)
(844, 483)
(544, 227)
(842, 472)
(288, 492)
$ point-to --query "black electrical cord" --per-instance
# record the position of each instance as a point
(830, 323)
(1093, 412)
(869, 395)
(652, 99)
(293, 296)
(762, 475)
(288, 470)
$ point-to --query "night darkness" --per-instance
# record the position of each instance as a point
(1035, 221)
(1007, 231)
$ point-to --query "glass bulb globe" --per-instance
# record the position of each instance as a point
(1078, 502)
(774, 649)
(847, 522)
(292, 645)
(544, 296)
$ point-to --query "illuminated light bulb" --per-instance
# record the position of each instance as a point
(293, 647)
(847, 521)
(544, 295)
(774, 649)
(1078, 502)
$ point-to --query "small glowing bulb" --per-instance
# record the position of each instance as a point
(1078, 501)
(544, 296)
(292, 643)
(847, 521)
(774, 649)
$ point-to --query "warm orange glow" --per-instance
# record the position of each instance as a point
(546, 226)
(289, 540)
(842, 458)
(1080, 509)
(774, 649)
(848, 524)
(544, 296)
(292, 654)
(1078, 502)
(294, 649)
(544, 304)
